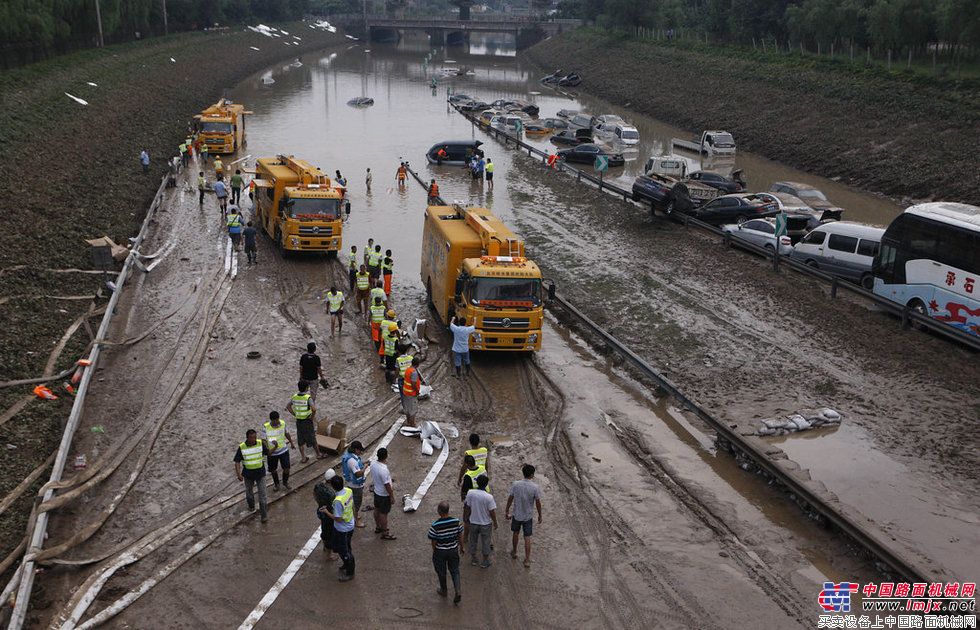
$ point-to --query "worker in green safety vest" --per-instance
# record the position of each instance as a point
(343, 526)
(363, 283)
(303, 409)
(250, 468)
(335, 307)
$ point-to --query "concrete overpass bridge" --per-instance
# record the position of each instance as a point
(443, 31)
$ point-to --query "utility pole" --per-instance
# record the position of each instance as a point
(166, 29)
(98, 18)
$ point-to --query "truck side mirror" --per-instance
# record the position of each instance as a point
(347, 207)
(459, 287)
(551, 291)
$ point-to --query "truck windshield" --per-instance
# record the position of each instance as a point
(216, 127)
(307, 207)
(506, 290)
(722, 140)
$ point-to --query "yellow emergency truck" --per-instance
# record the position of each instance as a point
(473, 266)
(222, 127)
(298, 206)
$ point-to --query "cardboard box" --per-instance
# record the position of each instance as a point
(119, 253)
(331, 436)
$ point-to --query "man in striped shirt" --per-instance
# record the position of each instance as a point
(446, 534)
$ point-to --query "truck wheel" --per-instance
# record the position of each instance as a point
(868, 281)
(280, 246)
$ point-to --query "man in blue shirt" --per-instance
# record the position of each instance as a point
(221, 192)
(461, 344)
(145, 160)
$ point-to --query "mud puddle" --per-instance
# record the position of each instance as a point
(922, 512)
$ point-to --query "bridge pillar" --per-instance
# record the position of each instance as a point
(383, 35)
(457, 38)
(437, 36)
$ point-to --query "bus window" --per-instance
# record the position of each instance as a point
(842, 243)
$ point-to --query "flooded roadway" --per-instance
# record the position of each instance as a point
(672, 528)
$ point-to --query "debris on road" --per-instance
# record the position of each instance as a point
(802, 421)
(76, 99)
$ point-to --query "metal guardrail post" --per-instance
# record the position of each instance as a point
(833, 287)
(775, 259)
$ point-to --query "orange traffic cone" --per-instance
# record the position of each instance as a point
(42, 391)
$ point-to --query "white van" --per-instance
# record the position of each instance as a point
(841, 248)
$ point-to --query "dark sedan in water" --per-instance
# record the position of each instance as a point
(732, 208)
(587, 153)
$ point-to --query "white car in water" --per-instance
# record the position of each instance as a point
(761, 232)
(618, 132)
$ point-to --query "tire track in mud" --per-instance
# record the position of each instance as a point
(599, 525)
(614, 598)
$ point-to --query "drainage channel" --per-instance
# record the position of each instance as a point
(736, 444)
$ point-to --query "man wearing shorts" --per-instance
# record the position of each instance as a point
(310, 370)
(461, 344)
(303, 409)
(524, 497)
(279, 441)
(411, 384)
(335, 307)
(381, 480)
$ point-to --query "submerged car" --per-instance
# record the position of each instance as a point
(572, 137)
(733, 208)
(618, 132)
(735, 184)
(455, 152)
(361, 101)
(567, 114)
(663, 193)
(461, 98)
(761, 232)
(555, 123)
(511, 105)
(810, 195)
(473, 106)
(586, 153)
(800, 218)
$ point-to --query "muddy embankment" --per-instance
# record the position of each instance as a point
(903, 137)
(70, 172)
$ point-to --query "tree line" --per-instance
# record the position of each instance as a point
(40, 28)
(882, 24)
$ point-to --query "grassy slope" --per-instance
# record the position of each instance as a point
(70, 172)
(902, 135)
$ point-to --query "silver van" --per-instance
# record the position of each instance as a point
(841, 248)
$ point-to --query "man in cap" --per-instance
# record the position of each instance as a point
(352, 467)
(324, 494)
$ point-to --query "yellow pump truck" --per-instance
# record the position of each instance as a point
(473, 266)
(222, 127)
(298, 206)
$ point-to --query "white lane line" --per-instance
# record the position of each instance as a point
(234, 260)
(282, 582)
(228, 255)
(413, 504)
(273, 593)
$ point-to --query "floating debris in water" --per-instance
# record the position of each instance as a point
(92, 84)
(172, 60)
(253, 47)
(361, 101)
(80, 101)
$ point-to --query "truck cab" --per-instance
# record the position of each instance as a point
(222, 127)
(298, 206)
(474, 267)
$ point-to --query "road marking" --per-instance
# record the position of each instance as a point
(234, 259)
(416, 500)
(228, 255)
(273, 593)
(282, 582)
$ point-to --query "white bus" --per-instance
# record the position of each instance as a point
(929, 260)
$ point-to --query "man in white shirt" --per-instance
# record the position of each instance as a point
(461, 344)
(381, 480)
(480, 512)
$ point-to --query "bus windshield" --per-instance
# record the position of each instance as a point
(308, 207)
(506, 290)
(216, 127)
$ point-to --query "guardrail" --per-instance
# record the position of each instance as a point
(860, 535)
(39, 532)
(907, 316)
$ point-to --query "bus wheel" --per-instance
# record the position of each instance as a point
(918, 306)
(868, 281)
